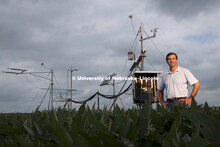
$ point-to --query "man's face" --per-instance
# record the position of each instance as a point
(172, 61)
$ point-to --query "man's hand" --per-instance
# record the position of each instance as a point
(194, 92)
(188, 100)
(164, 103)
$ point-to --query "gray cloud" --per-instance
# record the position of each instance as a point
(184, 9)
(95, 37)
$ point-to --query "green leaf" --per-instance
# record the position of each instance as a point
(76, 127)
(63, 136)
(212, 125)
(29, 130)
(214, 144)
(161, 109)
(38, 128)
(132, 132)
(186, 138)
(144, 120)
(23, 142)
(173, 135)
(206, 108)
(197, 141)
(81, 110)
(109, 141)
(93, 107)
(92, 141)
(126, 127)
(196, 129)
(193, 103)
(118, 119)
(157, 119)
(133, 114)
(127, 142)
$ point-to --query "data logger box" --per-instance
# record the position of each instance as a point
(145, 86)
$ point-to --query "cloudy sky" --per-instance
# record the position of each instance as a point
(94, 37)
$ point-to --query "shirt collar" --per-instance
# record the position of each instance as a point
(177, 70)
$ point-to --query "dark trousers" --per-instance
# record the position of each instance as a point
(172, 104)
(175, 102)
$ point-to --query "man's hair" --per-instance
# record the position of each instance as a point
(171, 53)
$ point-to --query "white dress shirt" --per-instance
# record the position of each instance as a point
(176, 83)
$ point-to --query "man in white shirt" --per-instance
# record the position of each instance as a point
(176, 83)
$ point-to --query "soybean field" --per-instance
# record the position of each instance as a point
(197, 125)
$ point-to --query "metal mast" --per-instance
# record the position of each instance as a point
(142, 48)
(140, 57)
(51, 88)
(37, 74)
(71, 86)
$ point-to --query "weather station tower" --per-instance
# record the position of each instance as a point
(144, 83)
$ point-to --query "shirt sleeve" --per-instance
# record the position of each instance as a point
(162, 84)
(190, 77)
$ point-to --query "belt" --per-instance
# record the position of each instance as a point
(176, 99)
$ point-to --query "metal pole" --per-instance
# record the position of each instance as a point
(98, 100)
(142, 48)
(113, 87)
(120, 91)
(71, 86)
(52, 88)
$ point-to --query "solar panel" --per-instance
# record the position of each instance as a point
(108, 79)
